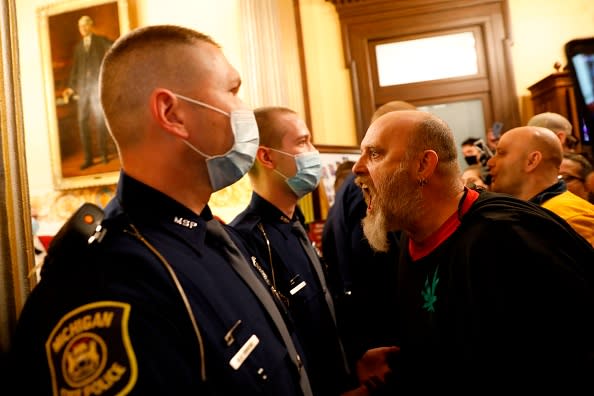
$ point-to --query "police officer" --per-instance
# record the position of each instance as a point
(164, 301)
(287, 167)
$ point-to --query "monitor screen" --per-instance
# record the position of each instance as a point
(580, 56)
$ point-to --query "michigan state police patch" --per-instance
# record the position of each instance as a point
(89, 351)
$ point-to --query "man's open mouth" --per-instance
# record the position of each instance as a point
(368, 196)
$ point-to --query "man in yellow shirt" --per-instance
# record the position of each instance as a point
(526, 166)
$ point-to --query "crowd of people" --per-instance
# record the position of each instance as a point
(576, 168)
(428, 281)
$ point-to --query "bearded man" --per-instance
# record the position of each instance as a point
(494, 292)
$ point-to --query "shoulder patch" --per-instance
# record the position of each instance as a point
(89, 351)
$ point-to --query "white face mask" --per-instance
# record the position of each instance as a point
(225, 169)
(309, 170)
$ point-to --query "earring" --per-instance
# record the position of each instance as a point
(422, 182)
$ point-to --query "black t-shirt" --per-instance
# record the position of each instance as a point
(506, 300)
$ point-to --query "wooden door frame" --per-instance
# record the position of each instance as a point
(367, 21)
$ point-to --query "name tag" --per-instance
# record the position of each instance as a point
(297, 288)
(243, 353)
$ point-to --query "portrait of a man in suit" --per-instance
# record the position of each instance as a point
(83, 87)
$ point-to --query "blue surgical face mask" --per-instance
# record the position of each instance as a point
(309, 170)
(225, 169)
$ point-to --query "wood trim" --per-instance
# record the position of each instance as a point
(365, 23)
(16, 240)
(355, 8)
(302, 65)
(427, 91)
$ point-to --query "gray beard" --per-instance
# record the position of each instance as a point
(398, 203)
(375, 230)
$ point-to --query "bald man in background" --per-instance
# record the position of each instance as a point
(559, 125)
(526, 165)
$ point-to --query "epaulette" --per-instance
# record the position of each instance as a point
(73, 239)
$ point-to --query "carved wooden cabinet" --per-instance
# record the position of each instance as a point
(555, 93)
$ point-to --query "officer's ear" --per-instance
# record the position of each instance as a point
(167, 110)
(264, 158)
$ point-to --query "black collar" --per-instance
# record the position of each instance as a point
(552, 191)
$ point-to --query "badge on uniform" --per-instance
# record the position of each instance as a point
(296, 284)
(245, 351)
(89, 351)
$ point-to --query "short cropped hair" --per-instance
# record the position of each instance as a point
(433, 133)
(269, 126)
(137, 63)
(271, 129)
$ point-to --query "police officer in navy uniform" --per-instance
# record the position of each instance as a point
(287, 167)
(164, 300)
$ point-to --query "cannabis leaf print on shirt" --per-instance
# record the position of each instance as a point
(428, 292)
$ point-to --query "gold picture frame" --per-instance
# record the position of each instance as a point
(95, 162)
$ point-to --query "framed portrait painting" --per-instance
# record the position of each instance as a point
(75, 35)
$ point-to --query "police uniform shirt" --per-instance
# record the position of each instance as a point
(122, 315)
(297, 281)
